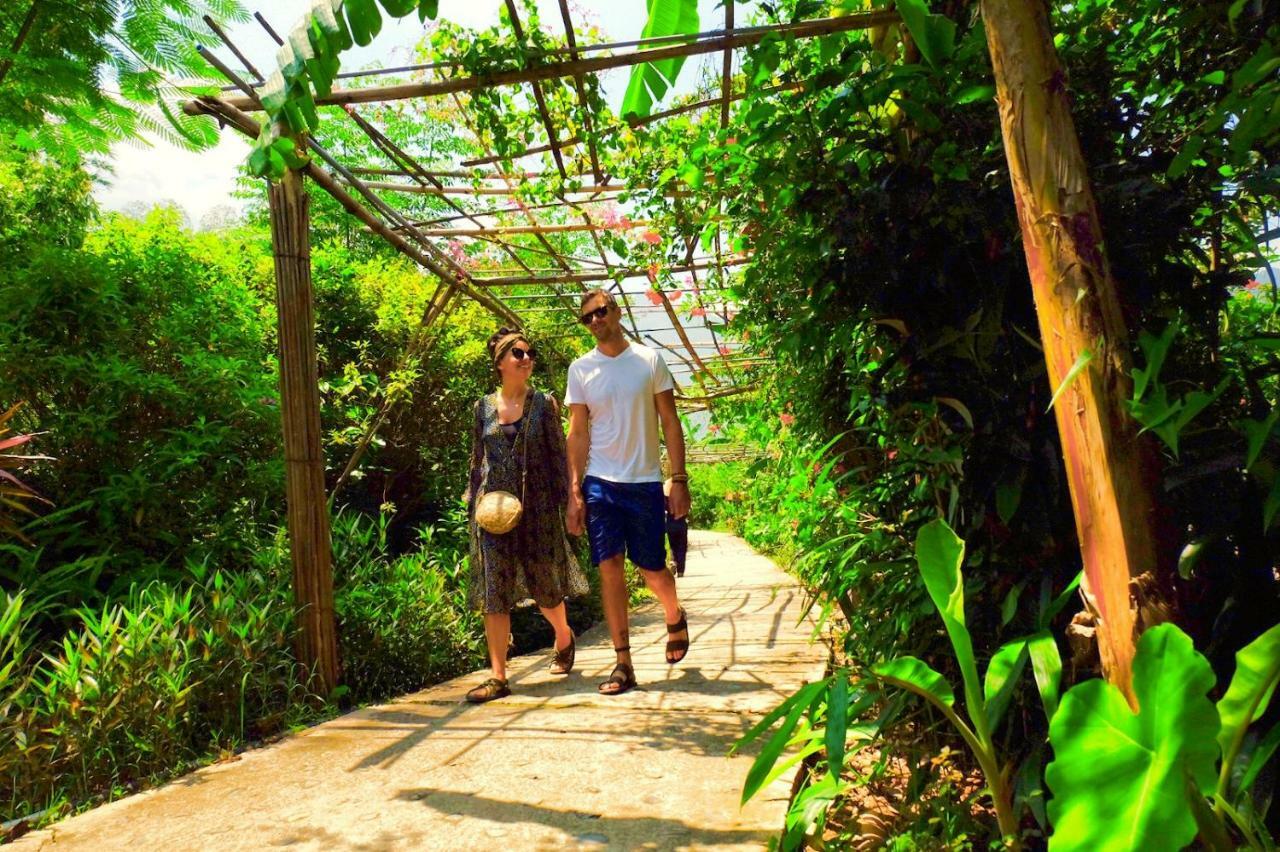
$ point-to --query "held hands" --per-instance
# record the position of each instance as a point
(575, 516)
(678, 500)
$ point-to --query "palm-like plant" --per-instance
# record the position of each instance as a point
(15, 495)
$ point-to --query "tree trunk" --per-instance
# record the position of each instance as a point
(1108, 468)
(300, 412)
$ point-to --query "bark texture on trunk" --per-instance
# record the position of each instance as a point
(309, 543)
(1079, 308)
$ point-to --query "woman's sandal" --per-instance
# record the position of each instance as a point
(488, 691)
(678, 646)
(623, 677)
(562, 663)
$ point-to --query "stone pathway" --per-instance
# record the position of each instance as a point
(553, 767)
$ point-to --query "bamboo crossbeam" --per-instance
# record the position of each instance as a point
(466, 174)
(726, 84)
(490, 190)
(526, 229)
(225, 39)
(635, 123)
(249, 127)
(502, 211)
(556, 70)
(584, 277)
(571, 42)
(513, 14)
(736, 391)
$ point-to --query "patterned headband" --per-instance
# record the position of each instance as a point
(505, 344)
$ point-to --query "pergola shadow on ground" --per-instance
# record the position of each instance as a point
(553, 766)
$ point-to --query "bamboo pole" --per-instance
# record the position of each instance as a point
(726, 84)
(556, 70)
(308, 515)
(513, 13)
(583, 277)
(418, 189)
(525, 229)
(571, 42)
(1109, 468)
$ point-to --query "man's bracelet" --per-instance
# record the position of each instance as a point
(680, 477)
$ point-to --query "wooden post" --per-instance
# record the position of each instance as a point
(1079, 309)
(300, 412)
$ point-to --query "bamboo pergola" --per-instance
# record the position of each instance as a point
(510, 293)
(1111, 513)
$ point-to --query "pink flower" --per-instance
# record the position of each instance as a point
(714, 428)
(675, 295)
(732, 140)
(724, 350)
(698, 312)
(457, 252)
(787, 419)
(655, 298)
(1253, 284)
(654, 269)
(651, 237)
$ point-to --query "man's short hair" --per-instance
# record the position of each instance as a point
(602, 293)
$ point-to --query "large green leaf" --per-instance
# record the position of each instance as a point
(759, 772)
(940, 553)
(935, 35)
(1252, 685)
(650, 80)
(1003, 673)
(1046, 665)
(914, 674)
(1117, 777)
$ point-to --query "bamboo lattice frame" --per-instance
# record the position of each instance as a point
(426, 242)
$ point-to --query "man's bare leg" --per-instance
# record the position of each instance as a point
(663, 586)
(613, 595)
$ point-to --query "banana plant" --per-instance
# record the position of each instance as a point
(1123, 779)
(940, 555)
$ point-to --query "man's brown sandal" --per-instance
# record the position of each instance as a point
(622, 679)
(488, 691)
(678, 646)
(562, 663)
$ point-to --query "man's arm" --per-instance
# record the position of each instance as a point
(673, 436)
(578, 445)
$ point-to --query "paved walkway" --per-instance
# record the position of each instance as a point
(553, 767)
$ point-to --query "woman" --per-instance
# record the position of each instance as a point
(518, 447)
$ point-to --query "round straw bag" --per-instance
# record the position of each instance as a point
(498, 512)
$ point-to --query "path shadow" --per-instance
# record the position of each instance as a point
(587, 828)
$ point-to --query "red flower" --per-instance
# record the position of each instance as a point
(654, 269)
(655, 298)
(698, 312)
(651, 237)
(675, 295)
(713, 428)
(787, 419)
(724, 350)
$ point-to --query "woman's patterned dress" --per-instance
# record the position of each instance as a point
(534, 560)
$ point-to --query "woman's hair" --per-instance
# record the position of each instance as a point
(502, 340)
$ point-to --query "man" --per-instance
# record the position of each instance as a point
(617, 393)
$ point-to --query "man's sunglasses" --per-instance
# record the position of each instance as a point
(599, 313)
(521, 354)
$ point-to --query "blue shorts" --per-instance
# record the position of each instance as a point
(626, 517)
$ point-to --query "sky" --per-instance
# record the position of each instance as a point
(200, 181)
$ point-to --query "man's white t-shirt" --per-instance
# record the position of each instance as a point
(619, 395)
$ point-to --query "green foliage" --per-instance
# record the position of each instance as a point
(1117, 776)
(650, 80)
(1132, 780)
(308, 62)
(146, 357)
(171, 673)
(77, 77)
(15, 495)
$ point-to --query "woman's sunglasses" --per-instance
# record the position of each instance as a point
(599, 313)
(521, 354)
